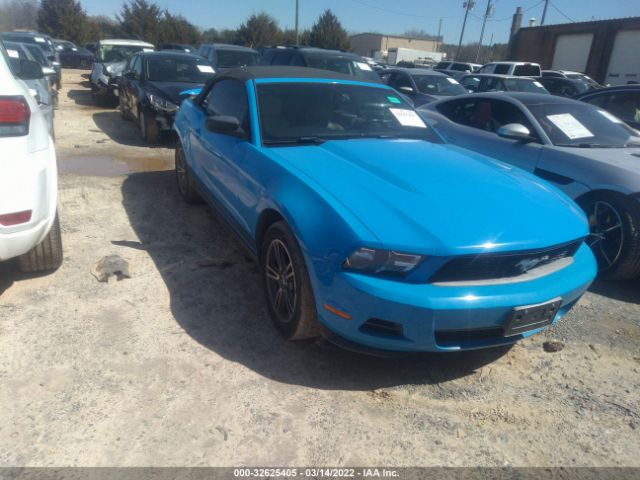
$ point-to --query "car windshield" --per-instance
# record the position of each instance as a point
(581, 76)
(437, 85)
(235, 58)
(346, 65)
(118, 53)
(524, 85)
(294, 113)
(183, 69)
(40, 41)
(16, 50)
(582, 125)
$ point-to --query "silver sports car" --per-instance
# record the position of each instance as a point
(586, 152)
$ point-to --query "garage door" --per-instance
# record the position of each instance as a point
(572, 52)
(624, 66)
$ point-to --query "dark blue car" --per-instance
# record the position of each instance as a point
(366, 227)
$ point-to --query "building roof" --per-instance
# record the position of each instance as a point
(431, 39)
(586, 23)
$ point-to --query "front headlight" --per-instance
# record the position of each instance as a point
(162, 104)
(386, 262)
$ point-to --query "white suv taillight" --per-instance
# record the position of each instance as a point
(14, 116)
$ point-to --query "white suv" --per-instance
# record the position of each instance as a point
(29, 227)
(518, 69)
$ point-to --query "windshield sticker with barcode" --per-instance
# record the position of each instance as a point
(570, 126)
(13, 53)
(206, 69)
(608, 116)
(363, 66)
(538, 84)
(39, 39)
(394, 99)
(407, 118)
(451, 80)
(147, 49)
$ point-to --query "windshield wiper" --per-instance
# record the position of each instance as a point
(297, 141)
(588, 145)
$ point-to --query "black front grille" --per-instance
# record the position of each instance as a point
(491, 266)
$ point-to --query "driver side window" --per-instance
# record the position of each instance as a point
(228, 98)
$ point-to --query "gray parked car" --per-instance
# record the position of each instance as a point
(421, 85)
(39, 87)
(582, 150)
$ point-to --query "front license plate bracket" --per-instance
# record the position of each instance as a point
(531, 317)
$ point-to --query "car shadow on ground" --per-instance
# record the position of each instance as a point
(625, 291)
(126, 132)
(216, 297)
(82, 98)
(8, 275)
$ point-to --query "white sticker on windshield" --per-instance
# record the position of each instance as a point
(452, 80)
(13, 53)
(206, 69)
(407, 118)
(613, 118)
(570, 126)
(537, 84)
(147, 49)
(363, 66)
(39, 39)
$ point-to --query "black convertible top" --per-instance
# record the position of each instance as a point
(269, 71)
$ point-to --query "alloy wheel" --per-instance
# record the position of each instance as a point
(606, 237)
(281, 281)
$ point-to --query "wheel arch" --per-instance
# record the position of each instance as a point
(267, 217)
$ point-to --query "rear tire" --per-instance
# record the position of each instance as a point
(614, 222)
(45, 256)
(148, 127)
(184, 178)
(287, 286)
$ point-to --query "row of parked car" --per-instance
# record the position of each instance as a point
(473, 221)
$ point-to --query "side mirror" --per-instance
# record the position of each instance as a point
(226, 125)
(514, 131)
(407, 90)
(28, 70)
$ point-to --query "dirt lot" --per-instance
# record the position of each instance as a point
(179, 364)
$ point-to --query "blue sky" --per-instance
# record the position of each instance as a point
(387, 16)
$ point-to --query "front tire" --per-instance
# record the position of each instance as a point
(184, 178)
(148, 127)
(45, 256)
(287, 287)
(614, 224)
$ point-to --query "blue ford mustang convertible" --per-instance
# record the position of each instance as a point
(367, 228)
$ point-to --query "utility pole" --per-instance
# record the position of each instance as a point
(468, 5)
(487, 14)
(297, 22)
(438, 41)
(544, 11)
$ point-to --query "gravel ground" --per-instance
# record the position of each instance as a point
(179, 365)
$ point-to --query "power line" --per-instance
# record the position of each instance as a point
(511, 16)
(561, 12)
(388, 10)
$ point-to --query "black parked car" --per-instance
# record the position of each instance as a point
(563, 87)
(72, 56)
(154, 84)
(622, 101)
(421, 85)
(181, 47)
(333, 60)
(222, 56)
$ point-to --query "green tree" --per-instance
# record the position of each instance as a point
(259, 29)
(141, 20)
(327, 32)
(18, 14)
(63, 19)
(177, 29)
(101, 26)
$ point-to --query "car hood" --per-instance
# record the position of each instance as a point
(437, 199)
(176, 92)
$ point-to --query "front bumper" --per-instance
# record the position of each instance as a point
(425, 317)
